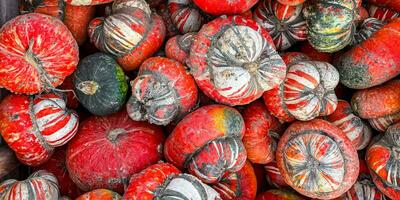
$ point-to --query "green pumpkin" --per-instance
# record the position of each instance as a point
(100, 84)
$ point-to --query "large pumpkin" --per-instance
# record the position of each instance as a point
(162, 92)
(330, 23)
(100, 194)
(225, 7)
(40, 185)
(185, 15)
(37, 52)
(108, 150)
(178, 47)
(234, 61)
(361, 66)
(317, 160)
(383, 160)
(284, 23)
(131, 33)
(208, 143)
(33, 125)
(8, 10)
(100, 84)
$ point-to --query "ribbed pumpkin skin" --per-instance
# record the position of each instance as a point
(225, 7)
(100, 84)
(100, 194)
(278, 195)
(361, 67)
(383, 14)
(317, 160)
(185, 16)
(233, 60)
(330, 23)
(178, 47)
(107, 151)
(391, 4)
(383, 160)
(8, 10)
(382, 123)
(37, 53)
(40, 185)
(274, 176)
(171, 30)
(215, 142)
(87, 2)
(365, 30)
(284, 23)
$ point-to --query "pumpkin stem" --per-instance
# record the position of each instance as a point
(252, 67)
(113, 134)
(88, 87)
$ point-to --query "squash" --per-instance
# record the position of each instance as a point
(284, 23)
(383, 14)
(8, 10)
(225, 7)
(185, 15)
(100, 194)
(278, 195)
(382, 123)
(100, 84)
(171, 30)
(391, 4)
(291, 2)
(178, 47)
(365, 30)
(307, 49)
(274, 176)
(87, 2)
(37, 60)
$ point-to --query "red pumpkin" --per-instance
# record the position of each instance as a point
(126, 148)
(381, 13)
(33, 126)
(155, 99)
(378, 101)
(274, 176)
(307, 49)
(100, 194)
(131, 33)
(211, 148)
(391, 4)
(68, 86)
(87, 2)
(317, 160)
(361, 66)
(225, 7)
(259, 123)
(240, 185)
(352, 126)
(40, 185)
(382, 159)
(8, 162)
(233, 70)
(291, 2)
(171, 30)
(185, 16)
(178, 47)
(382, 123)
(37, 52)
(278, 195)
(164, 180)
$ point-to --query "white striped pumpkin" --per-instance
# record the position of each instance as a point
(382, 123)
(382, 14)
(185, 16)
(365, 30)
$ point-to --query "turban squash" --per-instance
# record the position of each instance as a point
(178, 47)
(100, 194)
(225, 7)
(185, 16)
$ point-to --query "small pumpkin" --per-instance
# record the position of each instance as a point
(178, 47)
(391, 4)
(234, 60)
(382, 123)
(171, 30)
(100, 194)
(8, 10)
(274, 176)
(225, 7)
(284, 23)
(185, 15)
(40, 185)
(100, 84)
(8, 161)
(87, 2)
(317, 159)
(365, 30)
(381, 13)
(278, 195)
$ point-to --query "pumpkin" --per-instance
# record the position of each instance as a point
(8, 161)
(39, 59)
(383, 14)
(291, 2)
(162, 92)
(240, 185)
(383, 160)
(178, 47)
(185, 16)
(330, 23)
(233, 61)
(307, 92)
(225, 7)
(278, 195)
(317, 159)
(171, 30)
(257, 139)
(382, 123)
(87, 2)
(102, 194)
(284, 23)
(307, 49)
(352, 126)
(211, 148)
(40, 185)
(127, 147)
(131, 33)
(71, 98)
(100, 84)
(56, 166)
(8, 10)
(165, 181)
(391, 4)
(365, 30)
(361, 66)
(33, 125)
(378, 101)
(274, 176)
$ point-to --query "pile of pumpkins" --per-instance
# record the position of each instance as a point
(199, 100)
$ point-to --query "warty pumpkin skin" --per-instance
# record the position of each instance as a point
(383, 14)
(100, 84)
(234, 60)
(33, 125)
(100, 194)
(178, 47)
(277, 194)
(8, 10)
(317, 159)
(87, 2)
(185, 15)
(361, 66)
(37, 53)
(225, 7)
(211, 148)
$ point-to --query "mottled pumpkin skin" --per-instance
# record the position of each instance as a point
(211, 148)
(382, 158)
(383, 14)
(87, 2)
(278, 195)
(107, 151)
(361, 66)
(240, 185)
(233, 61)
(378, 101)
(382, 123)
(178, 47)
(225, 7)
(37, 52)
(317, 159)
(274, 176)
(8, 161)
(40, 185)
(330, 23)
(185, 16)
(8, 10)
(100, 194)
